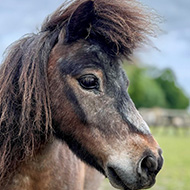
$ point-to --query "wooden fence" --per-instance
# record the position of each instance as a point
(166, 117)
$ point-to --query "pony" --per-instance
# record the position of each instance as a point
(66, 119)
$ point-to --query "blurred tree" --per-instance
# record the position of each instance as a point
(175, 97)
(143, 89)
(150, 87)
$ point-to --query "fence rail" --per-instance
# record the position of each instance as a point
(166, 117)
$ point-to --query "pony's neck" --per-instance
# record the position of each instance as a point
(48, 170)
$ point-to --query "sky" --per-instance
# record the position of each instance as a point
(19, 17)
(174, 42)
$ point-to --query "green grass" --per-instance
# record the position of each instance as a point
(175, 174)
(176, 150)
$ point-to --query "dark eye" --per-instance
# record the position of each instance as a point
(89, 82)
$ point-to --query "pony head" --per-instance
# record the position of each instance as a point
(67, 83)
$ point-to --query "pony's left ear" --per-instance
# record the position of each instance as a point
(79, 22)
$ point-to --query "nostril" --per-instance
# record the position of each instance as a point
(149, 164)
(160, 163)
(160, 151)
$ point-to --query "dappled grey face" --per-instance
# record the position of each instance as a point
(101, 77)
(94, 114)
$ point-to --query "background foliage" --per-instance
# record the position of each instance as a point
(151, 87)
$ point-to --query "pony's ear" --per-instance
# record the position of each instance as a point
(79, 22)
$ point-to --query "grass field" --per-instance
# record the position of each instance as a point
(175, 174)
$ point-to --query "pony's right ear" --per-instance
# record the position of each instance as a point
(79, 22)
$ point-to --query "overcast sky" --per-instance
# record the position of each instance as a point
(18, 17)
(174, 43)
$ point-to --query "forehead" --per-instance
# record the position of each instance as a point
(80, 56)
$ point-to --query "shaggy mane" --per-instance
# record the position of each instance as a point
(25, 110)
(122, 25)
(25, 115)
